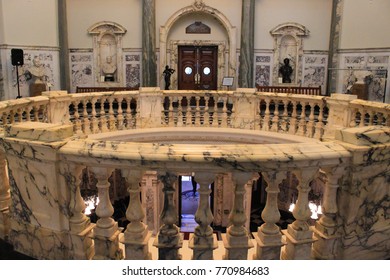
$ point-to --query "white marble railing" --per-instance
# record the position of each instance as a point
(45, 150)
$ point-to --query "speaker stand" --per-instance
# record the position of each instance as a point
(17, 80)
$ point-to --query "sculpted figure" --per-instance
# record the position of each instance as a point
(167, 76)
(37, 70)
(286, 71)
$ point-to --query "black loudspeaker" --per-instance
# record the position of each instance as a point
(17, 57)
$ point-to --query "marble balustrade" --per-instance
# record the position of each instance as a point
(42, 210)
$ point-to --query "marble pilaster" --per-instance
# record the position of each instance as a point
(334, 43)
(63, 45)
(268, 237)
(245, 79)
(203, 241)
(136, 237)
(149, 60)
(58, 109)
(168, 240)
(237, 241)
(244, 108)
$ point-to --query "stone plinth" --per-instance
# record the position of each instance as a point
(268, 246)
(4, 223)
(137, 248)
(82, 245)
(168, 246)
(107, 248)
(236, 247)
(203, 247)
(298, 245)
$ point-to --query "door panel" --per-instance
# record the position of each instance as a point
(197, 68)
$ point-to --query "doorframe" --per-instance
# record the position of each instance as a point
(221, 60)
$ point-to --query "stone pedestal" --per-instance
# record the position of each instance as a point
(168, 246)
(326, 246)
(203, 247)
(137, 247)
(36, 89)
(82, 245)
(298, 245)
(236, 247)
(268, 246)
(107, 248)
(4, 223)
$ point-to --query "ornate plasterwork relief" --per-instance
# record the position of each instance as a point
(107, 49)
(168, 54)
(288, 43)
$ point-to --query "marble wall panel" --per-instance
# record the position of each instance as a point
(263, 70)
(315, 71)
(369, 68)
(132, 69)
(81, 69)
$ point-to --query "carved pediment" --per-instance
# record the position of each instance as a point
(105, 26)
(198, 28)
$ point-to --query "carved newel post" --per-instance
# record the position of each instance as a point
(169, 239)
(269, 237)
(236, 241)
(106, 233)
(5, 197)
(136, 237)
(203, 241)
(299, 237)
(326, 229)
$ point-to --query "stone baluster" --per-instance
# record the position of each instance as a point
(36, 113)
(106, 233)
(4, 118)
(293, 119)
(267, 114)
(284, 122)
(28, 113)
(310, 123)
(214, 118)
(362, 118)
(203, 241)
(86, 122)
(77, 121)
(103, 118)
(179, 120)
(319, 127)
(236, 241)
(197, 111)
(79, 223)
(275, 118)
(19, 112)
(94, 120)
(298, 234)
(224, 117)
(188, 112)
(136, 237)
(128, 116)
(111, 117)
(206, 113)
(168, 240)
(326, 228)
(302, 120)
(5, 197)
(371, 117)
(268, 236)
(120, 117)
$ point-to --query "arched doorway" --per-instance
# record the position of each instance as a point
(222, 38)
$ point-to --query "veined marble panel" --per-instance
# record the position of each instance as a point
(263, 69)
(315, 71)
(81, 69)
(132, 69)
(369, 68)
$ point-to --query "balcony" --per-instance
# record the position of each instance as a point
(136, 144)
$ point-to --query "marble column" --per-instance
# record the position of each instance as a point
(298, 235)
(149, 59)
(80, 225)
(63, 44)
(334, 43)
(136, 237)
(203, 241)
(168, 240)
(245, 76)
(326, 228)
(5, 197)
(106, 233)
(237, 241)
(269, 237)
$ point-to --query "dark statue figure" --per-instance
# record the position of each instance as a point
(167, 76)
(286, 71)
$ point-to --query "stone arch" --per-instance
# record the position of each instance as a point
(200, 7)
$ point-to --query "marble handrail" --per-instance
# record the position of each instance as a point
(366, 113)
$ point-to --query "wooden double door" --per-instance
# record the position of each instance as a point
(197, 69)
